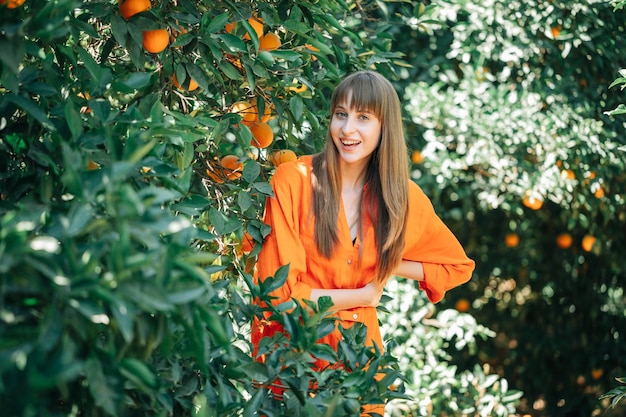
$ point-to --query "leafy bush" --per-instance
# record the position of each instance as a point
(509, 102)
(422, 339)
(125, 283)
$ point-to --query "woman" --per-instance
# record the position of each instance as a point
(348, 218)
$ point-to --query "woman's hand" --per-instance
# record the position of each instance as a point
(372, 293)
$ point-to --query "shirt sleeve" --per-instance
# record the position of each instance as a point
(430, 241)
(283, 245)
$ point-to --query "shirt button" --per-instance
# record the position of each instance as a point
(349, 261)
(355, 316)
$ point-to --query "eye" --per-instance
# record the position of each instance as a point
(340, 114)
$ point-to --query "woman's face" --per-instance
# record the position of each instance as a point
(356, 133)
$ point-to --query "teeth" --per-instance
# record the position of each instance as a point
(347, 142)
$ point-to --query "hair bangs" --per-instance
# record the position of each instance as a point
(361, 92)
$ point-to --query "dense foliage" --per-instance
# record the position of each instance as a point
(130, 208)
(511, 104)
(132, 184)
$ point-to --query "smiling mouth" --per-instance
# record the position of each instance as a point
(349, 142)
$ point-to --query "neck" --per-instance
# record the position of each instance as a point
(352, 176)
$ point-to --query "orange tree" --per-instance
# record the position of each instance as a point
(509, 105)
(130, 204)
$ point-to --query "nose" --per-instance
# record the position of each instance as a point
(349, 125)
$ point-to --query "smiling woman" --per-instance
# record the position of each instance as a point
(368, 223)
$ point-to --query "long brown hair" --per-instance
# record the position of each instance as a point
(386, 179)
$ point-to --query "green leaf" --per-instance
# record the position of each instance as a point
(244, 200)
(32, 109)
(232, 43)
(296, 105)
(217, 23)
(131, 82)
(251, 171)
(80, 216)
(101, 390)
(73, 119)
(186, 296)
(230, 71)
(264, 188)
(12, 51)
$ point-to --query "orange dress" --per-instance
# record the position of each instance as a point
(291, 241)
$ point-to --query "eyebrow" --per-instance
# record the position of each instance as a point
(342, 107)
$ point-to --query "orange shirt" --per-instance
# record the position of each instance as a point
(292, 241)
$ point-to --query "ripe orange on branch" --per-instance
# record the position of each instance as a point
(12, 4)
(588, 242)
(129, 8)
(511, 240)
(232, 166)
(246, 110)
(262, 135)
(533, 202)
(190, 83)
(564, 240)
(282, 156)
(155, 41)
(269, 42)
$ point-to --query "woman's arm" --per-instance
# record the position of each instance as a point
(411, 269)
(345, 299)
(369, 295)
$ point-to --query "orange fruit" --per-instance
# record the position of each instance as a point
(246, 110)
(190, 82)
(269, 42)
(257, 25)
(247, 243)
(462, 305)
(556, 31)
(215, 174)
(255, 22)
(568, 174)
(282, 156)
(263, 136)
(267, 113)
(12, 4)
(596, 374)
(533, 202)
(416, 157)
(599, 193)
(155, 41)
(564, 240)
(311, 48)
(511, 240)
(131, 7)
(588, 242)
(232, 165)
(92, 165)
